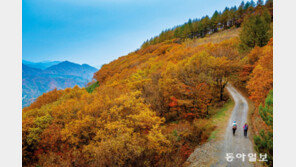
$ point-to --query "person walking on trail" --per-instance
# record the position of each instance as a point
(245, 129)
(234, 126)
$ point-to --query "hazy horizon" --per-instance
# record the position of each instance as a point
(25, 62)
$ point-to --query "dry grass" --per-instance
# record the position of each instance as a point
(214, 38)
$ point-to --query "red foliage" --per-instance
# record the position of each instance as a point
(38, 152)
(174, 102)
(189, 116)
(185, 152)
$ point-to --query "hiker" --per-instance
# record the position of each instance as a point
(245, 129)
(234, 126)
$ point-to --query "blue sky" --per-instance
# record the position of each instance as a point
(98, 31)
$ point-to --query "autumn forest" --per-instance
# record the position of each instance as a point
(153, 106)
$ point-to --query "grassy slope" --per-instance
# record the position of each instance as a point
(216, 37)
(220, 119)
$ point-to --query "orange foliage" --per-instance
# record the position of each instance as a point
(254, 55)
(44, 99)
(261, 79)
(121, 123)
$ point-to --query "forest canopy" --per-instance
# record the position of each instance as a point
(126, 117)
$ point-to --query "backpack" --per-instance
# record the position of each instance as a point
(246, 127)
(234, 126)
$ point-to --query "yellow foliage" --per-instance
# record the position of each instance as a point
(122, 122)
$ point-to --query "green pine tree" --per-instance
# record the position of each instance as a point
(264, 142)
(256, 31)
(215, 21)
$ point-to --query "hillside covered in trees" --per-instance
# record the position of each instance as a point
(230, 17)
(154, 105)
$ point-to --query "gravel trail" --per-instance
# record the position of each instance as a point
(213, 153)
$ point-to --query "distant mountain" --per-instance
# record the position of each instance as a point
(36, 81)
(69, 68)
(40, 65)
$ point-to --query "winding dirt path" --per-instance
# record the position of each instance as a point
(213, 153)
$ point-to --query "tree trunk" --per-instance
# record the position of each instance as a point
(222, 90)
(221, 93)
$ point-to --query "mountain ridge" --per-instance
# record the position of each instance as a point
(36, 81)
(70, 68)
